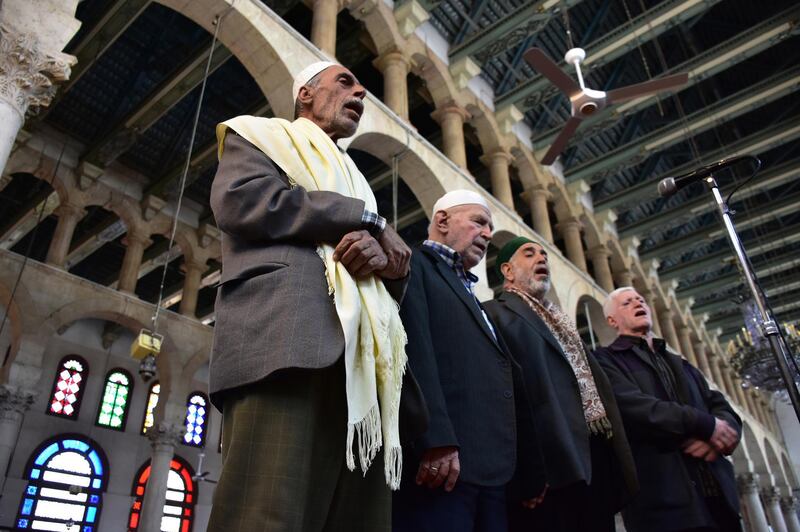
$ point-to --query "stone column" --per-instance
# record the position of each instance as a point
(540, 217)
(772, 502)
(193, 272)
(451, 118)
(68, 217)
(624, 278)
(754, 511)
(129, 274)
(599, 256)
(702, 358)
(650, 298)
(668, 328)
(684, 335)
(751, 404)
(28, 68)
(571, 231)
(13, 405)
(323, 25)
(395, 66)
(497, 162)
(789, 506)
(727, 378)
(163, 439)
(740, 395)
(716, 373)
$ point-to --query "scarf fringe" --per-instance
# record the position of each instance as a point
(393, 466)
(370, 440)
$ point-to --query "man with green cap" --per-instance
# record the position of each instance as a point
(588, 469)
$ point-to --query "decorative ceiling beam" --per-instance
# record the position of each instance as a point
(776, 287)
(718, 113)
(119, 16)
(777, 266)
(509, 31)
(157, 104)
(13, 232)
(729, 332)
(731, 319)
(761, 142)
(648, 25)
(697, 205)
(721, 57)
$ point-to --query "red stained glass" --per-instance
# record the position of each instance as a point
(67, 387)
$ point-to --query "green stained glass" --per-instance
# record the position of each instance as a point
(115, 401)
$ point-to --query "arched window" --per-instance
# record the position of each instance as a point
(113, 410)
(66, 479)
(152, 401)
(178, 513)
(68, 387)
(196, 420)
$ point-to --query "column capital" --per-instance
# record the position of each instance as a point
(394, 57)
(569, 223)
(498, 154)
(450, 108)
(69, 209)
(194, 264)
(790, 503)
(598, 252)
(747, 482)
(138, 237)
(14, 402)
(28, 73)
(771, 494)
(165, 436)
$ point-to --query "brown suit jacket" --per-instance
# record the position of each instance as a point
(273, 310)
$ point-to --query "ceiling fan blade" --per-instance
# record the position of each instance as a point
(561, 140)
(648, 87)
(537, 59)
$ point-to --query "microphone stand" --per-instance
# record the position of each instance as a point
(767, 325)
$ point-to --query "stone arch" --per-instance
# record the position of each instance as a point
(530, 174)
(757, 460)
(416, 172)
(741, 464)
(591, 232)
(594, 319)
(562, 205)
(774, 465)
(489, 134)
(434, 72)
(379, 21)
(501, 236)
(128, 210)
(256, 38)
(42, 165)
(618, 261)
(789, 472)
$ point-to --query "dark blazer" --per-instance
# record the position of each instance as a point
(464, 373)
(555, 405)
(670, 496)
(273, 310)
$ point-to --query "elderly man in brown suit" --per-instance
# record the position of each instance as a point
(305, 257)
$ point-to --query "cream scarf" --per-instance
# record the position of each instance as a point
(566, 334)
(374, 337)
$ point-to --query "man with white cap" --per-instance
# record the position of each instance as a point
(308, 355)
(455, 474)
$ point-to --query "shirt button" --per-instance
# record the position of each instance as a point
(507, 394)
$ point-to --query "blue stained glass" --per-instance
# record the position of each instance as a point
(98, 465)
(91, 513)
(47, 453)
(34, 473)
(31, 490)
(22, 523)
(75, 444)
(96, 483)
(27, 506)
(94, 499)
(87, 529)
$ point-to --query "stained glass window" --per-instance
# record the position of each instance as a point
(114, 404)
(178, 511)
(196, 416)
(152, 401)
(66, 478)
(68, 387)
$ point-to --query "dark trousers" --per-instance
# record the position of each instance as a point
(468, 508)
(283, 460)
(577, 507)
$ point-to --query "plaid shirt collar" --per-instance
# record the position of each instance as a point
(454, 260)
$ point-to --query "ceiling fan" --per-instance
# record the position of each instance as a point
(585, 102)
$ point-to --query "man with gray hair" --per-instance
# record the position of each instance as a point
(579, 471)
(308, 354)
(679, 428)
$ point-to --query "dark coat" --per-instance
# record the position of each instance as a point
(670, 497)
(556, 408)
(465, 375)
(273, 310)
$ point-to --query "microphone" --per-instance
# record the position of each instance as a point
(670, 185)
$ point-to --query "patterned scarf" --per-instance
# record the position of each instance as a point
(566, 334)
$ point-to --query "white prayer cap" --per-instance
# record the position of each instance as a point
(306, 74)
(459, 197)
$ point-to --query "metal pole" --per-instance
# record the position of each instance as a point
(589, 321)
(768, 327)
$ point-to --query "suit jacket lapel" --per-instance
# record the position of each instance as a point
(521, 308)
(676, 365)
(645, 357)
(458, 287)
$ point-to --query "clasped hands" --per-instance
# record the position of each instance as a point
(362, 254)
(723, 440)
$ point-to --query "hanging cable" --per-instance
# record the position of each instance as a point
(217, 24)
(565, 18)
